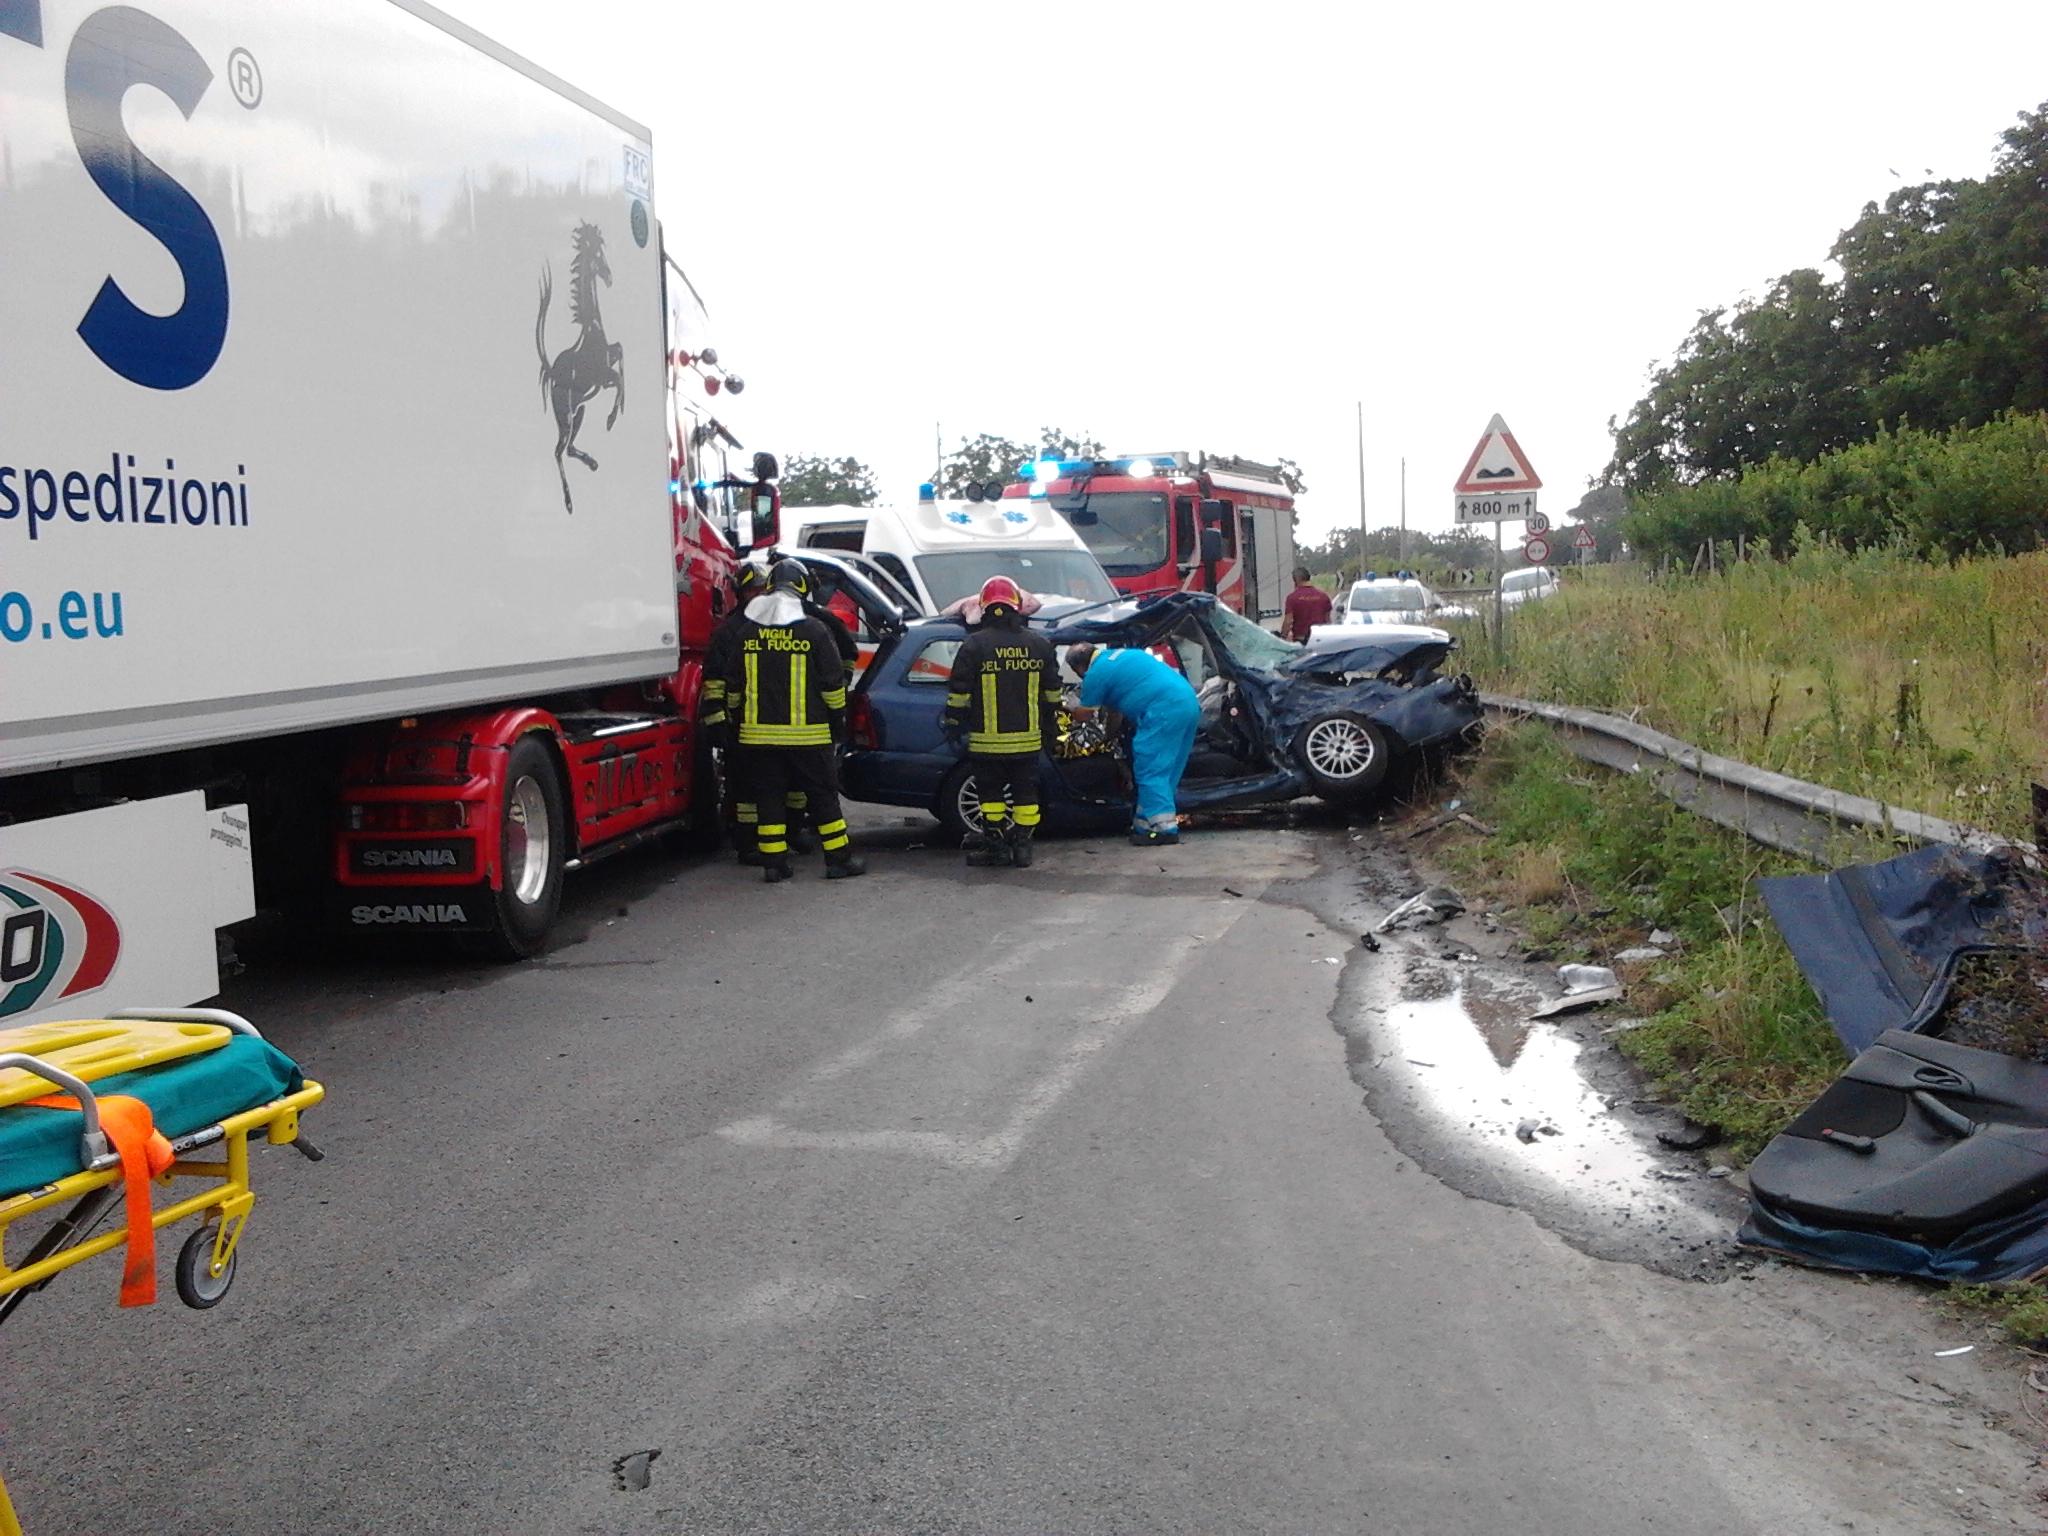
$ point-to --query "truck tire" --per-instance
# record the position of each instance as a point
(1344, 755)
(704, 823)
(533, 834)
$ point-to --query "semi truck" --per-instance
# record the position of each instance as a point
(365, 501)
(1188, 522)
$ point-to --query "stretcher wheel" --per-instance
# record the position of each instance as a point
(198, 1286)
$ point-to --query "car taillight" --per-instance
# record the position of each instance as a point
(407, 816)
(860, 725)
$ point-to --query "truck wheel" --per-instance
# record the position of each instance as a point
(532, 848)
(704, 825)
(959, 804)
(1344, 755)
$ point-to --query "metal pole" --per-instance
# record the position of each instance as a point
(1500, 634)
(1361, 490)
(1404, 510)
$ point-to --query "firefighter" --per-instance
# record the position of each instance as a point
(800, 839)
(743, 813)
(785, 695)
(752, 581)
(1002, 695)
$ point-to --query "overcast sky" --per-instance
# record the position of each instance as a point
(1218, 226)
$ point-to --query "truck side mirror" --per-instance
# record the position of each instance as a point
(1212, 543)
(767, 520)
(765, 467)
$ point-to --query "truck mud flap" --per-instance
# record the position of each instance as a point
(414, 909)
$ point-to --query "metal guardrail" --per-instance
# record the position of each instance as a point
(1822, 825)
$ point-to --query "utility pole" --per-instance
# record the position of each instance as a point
(1361, 490)
(1404, 511)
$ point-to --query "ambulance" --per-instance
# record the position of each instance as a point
(939, 551)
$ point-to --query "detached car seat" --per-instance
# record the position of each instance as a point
(1920, 1139)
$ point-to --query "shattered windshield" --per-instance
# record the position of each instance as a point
(1247, 644)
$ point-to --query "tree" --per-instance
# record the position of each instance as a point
(1290, 472)
(1056, 444)
(809, 482)
(1939, 321)
(979, 460)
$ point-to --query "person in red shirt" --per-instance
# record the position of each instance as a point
(1307, 606)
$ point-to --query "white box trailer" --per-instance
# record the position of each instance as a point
(334, 393)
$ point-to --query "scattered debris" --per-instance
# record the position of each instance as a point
(633, 1471)
(1641, 954)
(1437, 904)
(1529, 1130)
(1664, 938)
(1442, 818)
(1880, 942)
(1690, 1137)
(1720, 1171)
(1585, 978)
(1369, 942)
(1943, 1354)
(1924, 1158)
(1229, 892)
(1572, 1002)
(1476, 824)
(1331, 960)
(1585, 986)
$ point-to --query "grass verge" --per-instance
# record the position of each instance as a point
(1595, 862)
(1923, 684)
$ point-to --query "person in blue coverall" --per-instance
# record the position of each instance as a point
(1161, 704)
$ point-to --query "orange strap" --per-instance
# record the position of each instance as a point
(144, 1154)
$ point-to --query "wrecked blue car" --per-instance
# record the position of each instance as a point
(1279, 721)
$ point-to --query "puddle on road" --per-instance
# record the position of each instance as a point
(1461, 1070)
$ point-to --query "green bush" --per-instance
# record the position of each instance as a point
(1938, 495)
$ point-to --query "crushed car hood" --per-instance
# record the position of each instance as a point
(1374, 655)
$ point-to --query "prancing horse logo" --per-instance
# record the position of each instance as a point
(589, 364)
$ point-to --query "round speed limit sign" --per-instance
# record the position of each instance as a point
(1536, 523)
(1537, 550)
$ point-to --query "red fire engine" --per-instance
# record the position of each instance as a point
(1161, 522)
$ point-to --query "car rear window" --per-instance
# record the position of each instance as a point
(933, 664)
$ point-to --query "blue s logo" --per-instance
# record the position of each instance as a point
(115, 49)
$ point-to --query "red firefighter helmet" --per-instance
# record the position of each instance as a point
(1001, 592)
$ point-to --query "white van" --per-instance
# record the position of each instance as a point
(942, 551)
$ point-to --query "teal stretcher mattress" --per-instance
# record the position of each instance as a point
(40, 1146)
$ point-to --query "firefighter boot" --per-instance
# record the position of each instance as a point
(774, 854)
(844, 864)
(986, 849)
(1019, 839)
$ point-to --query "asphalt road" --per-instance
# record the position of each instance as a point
(945, 1201)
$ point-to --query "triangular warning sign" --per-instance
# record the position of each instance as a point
(1497, 464)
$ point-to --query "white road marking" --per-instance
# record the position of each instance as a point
(999, 1148)
(957, 991)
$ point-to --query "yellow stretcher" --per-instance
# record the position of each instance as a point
(207, 1078)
